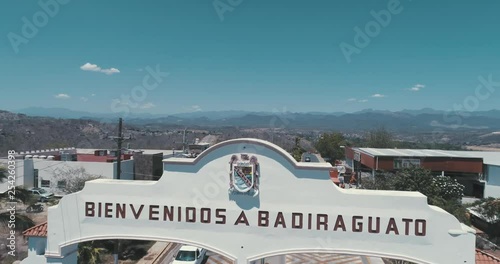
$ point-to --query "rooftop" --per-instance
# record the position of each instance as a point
(489, 157)
(144, 151)
(37, 231)
(485, 258)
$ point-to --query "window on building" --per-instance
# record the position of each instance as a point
(406, 163)
(35, 178)
(61, 184)
(45, 183)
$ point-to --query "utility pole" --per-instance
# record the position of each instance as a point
(119, 153)
(118, 176)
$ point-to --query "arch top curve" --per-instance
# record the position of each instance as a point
(248, 145)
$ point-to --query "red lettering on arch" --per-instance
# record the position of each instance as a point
(242, 219)
(392, 227)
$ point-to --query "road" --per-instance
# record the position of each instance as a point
(303, 258)
(313, 157)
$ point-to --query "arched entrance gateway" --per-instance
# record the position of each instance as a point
(247, 199)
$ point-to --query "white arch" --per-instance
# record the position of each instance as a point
(308, 189)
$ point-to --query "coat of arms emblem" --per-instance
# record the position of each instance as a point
(244, 175)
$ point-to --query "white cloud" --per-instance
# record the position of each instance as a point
(85, 99)
(110, 71)
(93, 67)
(351, 99)
(92, 95)
(196, 108)
(90, 67)
(147, 106)
(416, 87)
(363, 101)
(62, 96)
(378, 95)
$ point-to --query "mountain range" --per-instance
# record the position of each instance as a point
(426, 119)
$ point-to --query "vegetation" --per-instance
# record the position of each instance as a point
(88, 253)
(489, 207)
(329, 146)
(23, 222)
(441, 191)
(73, 179)
(3, 174)
(297, 150)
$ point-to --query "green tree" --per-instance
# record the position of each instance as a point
(21, 195)
(297, 150)
(22, 222)
(89, 253)
(441, 191)
(73, 179)
(381, 181)
(3, 174)
(489, 207)
(416, 179)
(380, 138)
(329, 144)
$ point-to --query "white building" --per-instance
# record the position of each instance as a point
(478, 171)
(39, 169)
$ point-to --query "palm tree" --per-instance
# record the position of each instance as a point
(22, 222)
(21, 195)
(88, 253)
(3, 174)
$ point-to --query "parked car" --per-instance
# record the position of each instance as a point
(308, 159)
(189, 255)
(41, 194)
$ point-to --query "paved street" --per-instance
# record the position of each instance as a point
(313, 157)
(304, 258)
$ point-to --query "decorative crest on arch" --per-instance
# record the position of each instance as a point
(244, 175)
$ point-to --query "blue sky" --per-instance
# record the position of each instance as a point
(258, 55)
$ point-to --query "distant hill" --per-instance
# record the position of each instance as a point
(26, 132)
(21, 132)
(426, 119)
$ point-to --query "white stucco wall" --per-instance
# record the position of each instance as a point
(286, 188)
(491, 191)
(36, 251)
